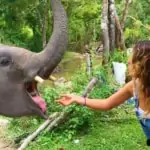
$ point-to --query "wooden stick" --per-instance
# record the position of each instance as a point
(90, 86)
(88, 63)
(56, 121)
(34, 134)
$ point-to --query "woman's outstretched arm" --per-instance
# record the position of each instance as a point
(102, 104)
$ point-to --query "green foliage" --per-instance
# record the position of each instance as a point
(21, 22)
(25, 17)
(137, 23)
(80, 116)
(50, 95)
(79, 82)
(119, 56)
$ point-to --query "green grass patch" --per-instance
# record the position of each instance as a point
(110, 130)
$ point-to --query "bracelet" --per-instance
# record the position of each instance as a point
(84, 101)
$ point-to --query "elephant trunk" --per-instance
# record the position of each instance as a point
(52, 54)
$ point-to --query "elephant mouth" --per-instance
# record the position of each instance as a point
(31, 89)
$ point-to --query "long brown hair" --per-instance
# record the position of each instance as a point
(141, 69)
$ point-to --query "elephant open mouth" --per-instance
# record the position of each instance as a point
(31, 89)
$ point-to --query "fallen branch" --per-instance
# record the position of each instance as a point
(90, 86)
(88, 63)
(55, 122)
(33, 135)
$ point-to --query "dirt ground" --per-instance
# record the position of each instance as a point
(5, 143)
(5, 146)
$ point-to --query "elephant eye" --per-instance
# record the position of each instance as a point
(5, 61)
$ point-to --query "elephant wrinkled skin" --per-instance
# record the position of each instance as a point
(19, 95)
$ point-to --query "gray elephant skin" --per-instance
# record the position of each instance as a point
(19, 95)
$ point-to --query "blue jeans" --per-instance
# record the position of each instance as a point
(145, 122)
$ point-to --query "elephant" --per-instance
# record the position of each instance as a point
(19, 67)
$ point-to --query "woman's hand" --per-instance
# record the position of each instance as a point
(68, 99)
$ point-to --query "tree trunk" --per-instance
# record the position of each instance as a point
(120, 43)
(88, 60)
(105, 31)
(125, 12)
(44, 22)
(112, 26)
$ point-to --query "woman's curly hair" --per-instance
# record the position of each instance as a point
(141, 68)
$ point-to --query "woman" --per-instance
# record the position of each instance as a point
(139, 88)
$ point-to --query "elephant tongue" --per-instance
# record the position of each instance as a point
(40, 102)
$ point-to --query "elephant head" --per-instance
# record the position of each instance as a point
(19, 95)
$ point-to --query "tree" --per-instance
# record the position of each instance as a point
(105, 30)
(44, 22)
(112, 28)
(111, 17)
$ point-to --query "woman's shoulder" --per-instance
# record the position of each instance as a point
(129, 87)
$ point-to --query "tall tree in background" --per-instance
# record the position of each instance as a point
(125, 13)
(83, 20)
(120, 24)
(120, 43)
(108, 28)
(112, 28)
(105, 30)
(111, 13)
(44, 22)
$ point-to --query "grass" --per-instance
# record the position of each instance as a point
(110, 130)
